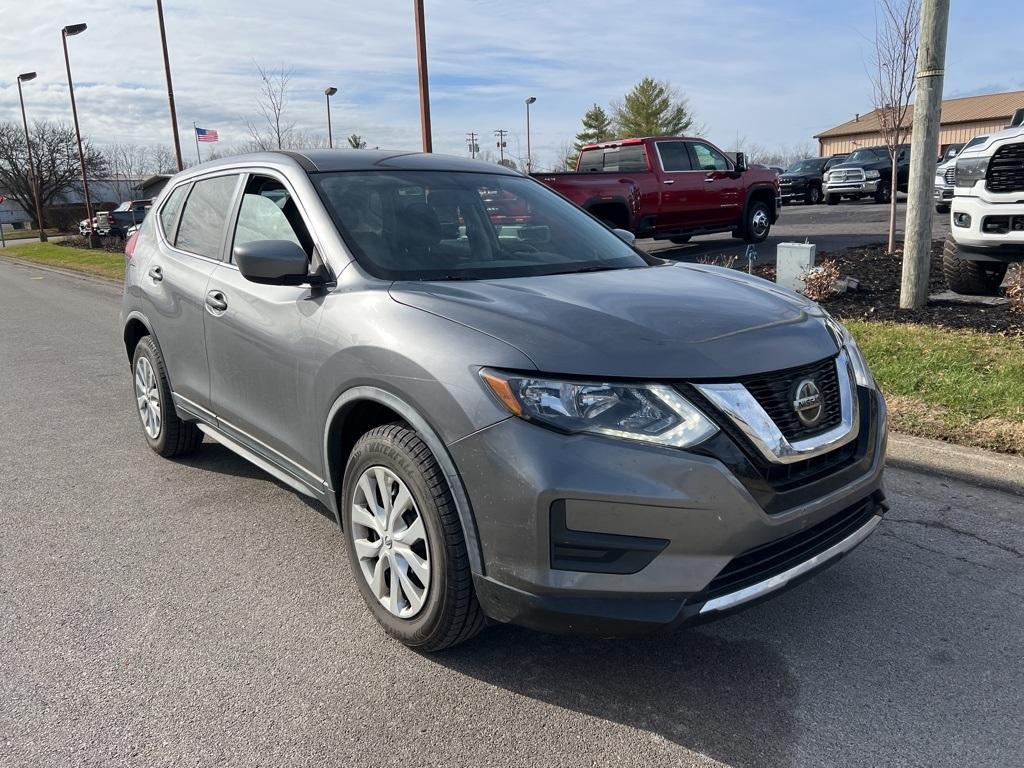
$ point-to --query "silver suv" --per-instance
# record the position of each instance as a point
(512, 412)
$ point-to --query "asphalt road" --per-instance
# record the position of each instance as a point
(830, 227)
(158, 613)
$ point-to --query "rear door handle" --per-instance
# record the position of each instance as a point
(156, 273)
(216, 300)
(669, 181)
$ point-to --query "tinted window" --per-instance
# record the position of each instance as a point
(709, 159)
(169, 211)
(433, 225)
(268, 212)
(674, 156)
(201, 230)
(627, 159)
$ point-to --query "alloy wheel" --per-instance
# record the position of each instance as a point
(147, 395)
(760, 223)
(390, 541)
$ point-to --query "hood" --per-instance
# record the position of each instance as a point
(866, 166)
(798, 176)
(663, 322)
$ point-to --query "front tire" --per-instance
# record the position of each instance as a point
(166, 434)
(832, 199)
(883, 194)
(758, 223)
(681, 240)
(813, 196)
(970, 278)
(405, 543)
(942, 209)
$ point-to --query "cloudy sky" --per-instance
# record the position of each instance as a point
(773, 72)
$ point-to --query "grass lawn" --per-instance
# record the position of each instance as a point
(27, 234)
(960, 386)
(95, 262)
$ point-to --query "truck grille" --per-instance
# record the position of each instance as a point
(771, 559)
(951, 175)
(844, 175)
(1006, 169)
(775, 393)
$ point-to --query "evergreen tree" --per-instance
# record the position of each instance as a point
(597, 126)
(653, 108)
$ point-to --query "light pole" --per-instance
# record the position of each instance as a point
(65, 33)
(529, 157)
(421, 66)
(328, 92)
(24, 78)
(170, 88)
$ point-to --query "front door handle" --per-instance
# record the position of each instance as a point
(669, 181)
(216, 300)
(710, 180)
(156, 273)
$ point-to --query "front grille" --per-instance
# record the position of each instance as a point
(775, 393)
(951, 175)
(785, 477)
(847, 174)
(763, 562)
(1006, 169)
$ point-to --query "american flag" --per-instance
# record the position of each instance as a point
(206, 134)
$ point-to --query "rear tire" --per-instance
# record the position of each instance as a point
(682, 240)
(832, 199)
(970, 278)
(446, 612)
(164, 431)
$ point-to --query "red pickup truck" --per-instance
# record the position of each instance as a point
(671, 188)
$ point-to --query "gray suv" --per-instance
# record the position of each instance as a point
(513, 414)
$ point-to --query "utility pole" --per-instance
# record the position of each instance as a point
(529, 154)
(500, 133)
(473, 146)
(170, 88)
(931, 62)
(421, 66)
(65, 33)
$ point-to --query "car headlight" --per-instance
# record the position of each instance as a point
(845, 339)
(871, 174)
(649, 413)
(970, 170)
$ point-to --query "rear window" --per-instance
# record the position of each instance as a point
(626, 159)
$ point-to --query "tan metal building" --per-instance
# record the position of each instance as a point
(962, 120)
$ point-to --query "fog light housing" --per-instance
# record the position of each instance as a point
(962, 219)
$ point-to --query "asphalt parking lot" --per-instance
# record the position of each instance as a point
(830, 227)
(161, 613)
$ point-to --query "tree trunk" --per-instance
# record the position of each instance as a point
(892, 206)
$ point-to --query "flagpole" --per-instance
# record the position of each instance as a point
(195, 134)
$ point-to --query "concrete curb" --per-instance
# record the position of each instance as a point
(987, 469)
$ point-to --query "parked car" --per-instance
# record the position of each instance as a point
(671, 188)
(533, 422)
(803, 181)
(868, 173)
(117, 222)
(945, 174)
(987, 231)
(100, 223)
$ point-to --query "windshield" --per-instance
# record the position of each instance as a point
(866, 156)
(436, 225)
(807, 166)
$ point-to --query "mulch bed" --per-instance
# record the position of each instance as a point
(109, 244)
(878, 297)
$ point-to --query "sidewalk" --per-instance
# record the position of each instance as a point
(1001, 471)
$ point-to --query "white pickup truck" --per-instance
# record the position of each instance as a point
(987, 216)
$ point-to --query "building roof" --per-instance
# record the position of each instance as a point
(992, 106)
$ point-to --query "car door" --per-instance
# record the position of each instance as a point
(720, 201)
(681, 187)
(261, 339)
(190, 238)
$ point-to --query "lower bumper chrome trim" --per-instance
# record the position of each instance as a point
(754, 591)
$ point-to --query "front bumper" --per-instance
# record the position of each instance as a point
(587, 534)
(866, 187)
(943, 194)
(976, 241)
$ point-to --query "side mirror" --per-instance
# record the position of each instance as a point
(273, 262)
(625, 236)
(741, 162)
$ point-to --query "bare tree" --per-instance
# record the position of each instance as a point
(565, 157)
(55, 156)
(272, 131)
(897, 23)
(126, 165)
(161, 159)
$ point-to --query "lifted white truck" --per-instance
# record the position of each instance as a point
(987, 216)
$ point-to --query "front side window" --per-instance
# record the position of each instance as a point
(268, 212)
(169, 211)
(674, 156)
(436, 225)
(709, 159)
(203, 221)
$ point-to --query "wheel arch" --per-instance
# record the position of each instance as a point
(135, 327)
(761, 193)
(360, 409)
